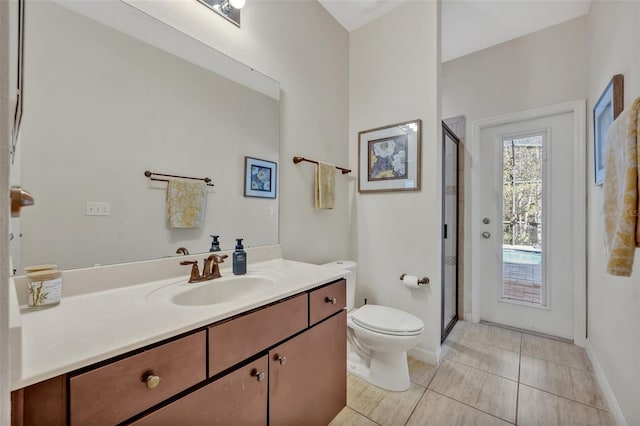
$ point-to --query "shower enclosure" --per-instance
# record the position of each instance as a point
(450, 230)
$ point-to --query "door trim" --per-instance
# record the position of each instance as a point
(578, 109)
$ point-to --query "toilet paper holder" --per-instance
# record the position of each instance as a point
(423, 280)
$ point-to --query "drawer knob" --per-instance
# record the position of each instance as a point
(331, 300)
(282, 360)
(259, 375)
(151, 380)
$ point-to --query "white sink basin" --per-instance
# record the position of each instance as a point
(223, 290)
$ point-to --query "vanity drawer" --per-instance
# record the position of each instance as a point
(237, 339)
(116, 391)
(326, 301)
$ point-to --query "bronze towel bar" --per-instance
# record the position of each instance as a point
(297, 160)
(149, 175)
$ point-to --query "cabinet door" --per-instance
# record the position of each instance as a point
(238, 398)
(308, 375)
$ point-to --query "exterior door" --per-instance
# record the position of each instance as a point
(524, 213)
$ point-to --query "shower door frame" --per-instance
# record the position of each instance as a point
(445, 329)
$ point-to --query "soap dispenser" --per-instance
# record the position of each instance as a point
(215, 244)
(239, 259)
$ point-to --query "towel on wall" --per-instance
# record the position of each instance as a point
(325, 186)
(622, 233)
(186, 202)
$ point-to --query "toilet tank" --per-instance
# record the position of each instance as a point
(352, 267)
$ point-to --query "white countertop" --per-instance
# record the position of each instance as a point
(91, 327)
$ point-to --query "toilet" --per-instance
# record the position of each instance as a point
(378, 338)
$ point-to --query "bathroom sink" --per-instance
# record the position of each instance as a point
(223, 290)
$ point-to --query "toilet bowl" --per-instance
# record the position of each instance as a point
(378, 339)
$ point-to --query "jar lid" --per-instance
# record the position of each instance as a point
(35, 268)
(44, 275)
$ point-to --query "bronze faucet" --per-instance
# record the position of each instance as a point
(211, 265)
(210, 269)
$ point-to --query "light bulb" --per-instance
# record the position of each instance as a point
(237, 4)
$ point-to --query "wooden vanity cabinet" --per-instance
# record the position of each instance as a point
(281, 364)
(239, 338)
(238, 398)
(326, 301)
(42, 404)
(308, 375)
(117, 391)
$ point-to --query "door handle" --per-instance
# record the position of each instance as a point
(486, 235)
(19, 198)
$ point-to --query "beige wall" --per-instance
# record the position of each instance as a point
(394, 66)
(299, 44)
(614, 302)
(544, 68)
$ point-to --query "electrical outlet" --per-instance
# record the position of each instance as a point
(97, 208)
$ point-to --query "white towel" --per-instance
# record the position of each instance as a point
(186, 203)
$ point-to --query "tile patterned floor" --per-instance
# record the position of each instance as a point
(488, 376)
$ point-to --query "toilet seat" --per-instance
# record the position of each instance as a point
(386, 320)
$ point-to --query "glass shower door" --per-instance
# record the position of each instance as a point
(449, 230)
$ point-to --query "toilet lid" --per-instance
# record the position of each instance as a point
(387, 320)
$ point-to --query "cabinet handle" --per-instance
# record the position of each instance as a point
(282, 360)
(331, 300)
(150, 379)
(259, 375)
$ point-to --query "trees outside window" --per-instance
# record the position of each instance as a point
(522, 191)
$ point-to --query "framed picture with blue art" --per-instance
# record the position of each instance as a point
(260, 178)
(606, 110)
(389, 158)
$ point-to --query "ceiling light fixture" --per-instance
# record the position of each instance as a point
(228, 9)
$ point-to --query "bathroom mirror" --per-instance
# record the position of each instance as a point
(102, 108)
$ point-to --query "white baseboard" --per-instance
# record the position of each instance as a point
(612, 402)
(423, 354)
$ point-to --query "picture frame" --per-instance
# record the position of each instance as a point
(389, 158)
(606, 110)
(260, 178)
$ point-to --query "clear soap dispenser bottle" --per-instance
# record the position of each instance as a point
(215, 244)
(239, 259)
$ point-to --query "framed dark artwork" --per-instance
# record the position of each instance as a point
(389, 158)
(606, 110)
(260, 178)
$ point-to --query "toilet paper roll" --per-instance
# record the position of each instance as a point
(410, 281)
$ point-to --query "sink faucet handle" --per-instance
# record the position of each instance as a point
(219, 258)
(195, 272)
(211, 268)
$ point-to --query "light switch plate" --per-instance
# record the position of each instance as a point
(97, 208)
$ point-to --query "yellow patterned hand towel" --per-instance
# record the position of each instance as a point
(621, 192)
(325, 186)
(186, 202)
